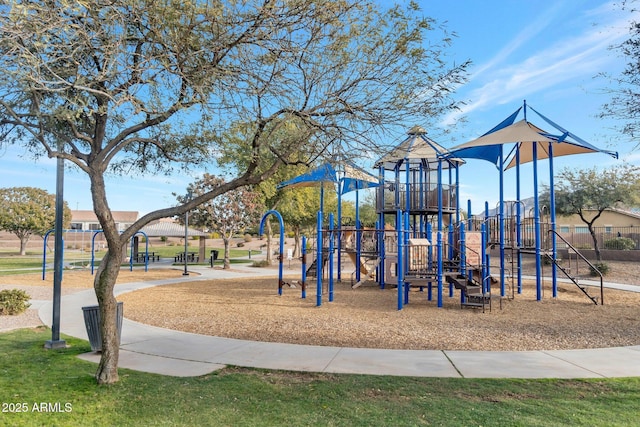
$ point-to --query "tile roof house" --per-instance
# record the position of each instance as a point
(87, 220)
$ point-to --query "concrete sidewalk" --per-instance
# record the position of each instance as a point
(152, 349)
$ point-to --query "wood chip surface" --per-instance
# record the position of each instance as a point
(368, 317)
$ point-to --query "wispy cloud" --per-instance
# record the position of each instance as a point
(528, 33)
(582, 55)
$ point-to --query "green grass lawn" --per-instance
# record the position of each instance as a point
(33, 379)
(12, 263)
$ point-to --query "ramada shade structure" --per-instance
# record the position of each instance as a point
(525, 135)
(531, 143)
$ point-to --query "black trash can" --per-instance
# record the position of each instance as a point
(92, 323)
(214, 256)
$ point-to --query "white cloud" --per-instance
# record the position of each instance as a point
(570, 59)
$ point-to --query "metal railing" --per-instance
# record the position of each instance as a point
(574, 279)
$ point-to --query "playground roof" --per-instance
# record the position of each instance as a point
(418, 146)
(321, 174)
(525, 135)
(169, 229)
(354, 178)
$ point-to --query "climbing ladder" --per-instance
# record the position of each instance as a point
(572, 273)
(312, 271)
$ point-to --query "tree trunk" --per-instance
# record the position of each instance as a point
(296, 242)
(227, 261)
(23, 244)
(269, 258)
(596, 248)
(105, 280)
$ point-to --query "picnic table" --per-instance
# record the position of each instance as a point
(191, 257)
(142, 257)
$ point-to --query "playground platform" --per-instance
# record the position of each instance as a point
(167, 352)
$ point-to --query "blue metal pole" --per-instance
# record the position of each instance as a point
(463, 256)
(457, 189)
(421, 192)
(439, 249)
(483, 252)
(407, 179)
(469, 215)
(358, 234)
(93, 250)
(501, 224)
(331, 236)
(518, 220)
(319, 261)
(430, 260)
(339, 226)
(304, 267)
(381, 252)
(380, 205)
(406, 245)
(450, 255)
(439, 195)
(400, 266)
(552, 215)
(536, 208)
(486, 217)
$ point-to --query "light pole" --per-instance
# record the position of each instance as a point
(186, 236)
(58, 260)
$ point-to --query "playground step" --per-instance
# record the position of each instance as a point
(575, 280)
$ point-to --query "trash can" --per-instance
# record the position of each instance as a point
(92, 323)
(214, 256)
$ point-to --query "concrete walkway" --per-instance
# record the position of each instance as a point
(157, 350)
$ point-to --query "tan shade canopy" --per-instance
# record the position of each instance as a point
(418, 147)
(559, 149)
(524, 134)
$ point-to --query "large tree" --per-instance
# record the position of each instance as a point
(228, 214)
(589, 192)
(151, 86)
(624, 104)
(25, 211)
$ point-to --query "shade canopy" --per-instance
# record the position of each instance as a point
(524, 135)
(417, 148)
(352, 177)
(322, 174)
(355, 178)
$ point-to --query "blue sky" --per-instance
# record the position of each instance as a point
(547, 52)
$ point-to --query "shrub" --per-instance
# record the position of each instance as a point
(13, 301)
(240, 244)
(164, 239)
(248, 238)
(620, 243)
(261, 263)
(603, 267)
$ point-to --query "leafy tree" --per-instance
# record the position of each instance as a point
(25, 211)
(589, 192)
(229, 213)
(142, 86)
(625, 101)
(368, 214)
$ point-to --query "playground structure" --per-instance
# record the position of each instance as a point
(421, 239)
